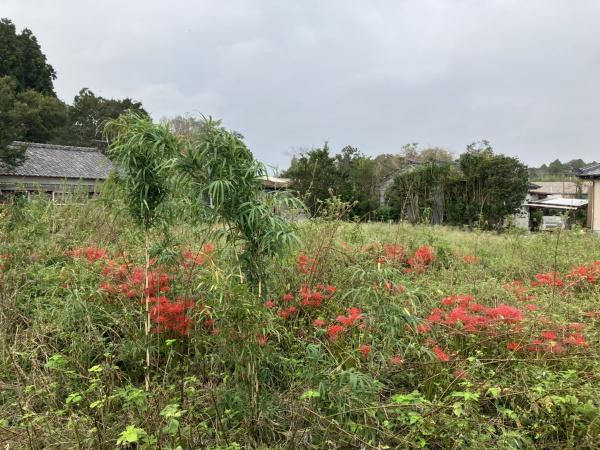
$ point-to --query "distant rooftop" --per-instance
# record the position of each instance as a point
(275, 182)
(60, 161)
(592, 171)
(556, 187)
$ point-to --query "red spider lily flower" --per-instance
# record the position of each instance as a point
(270, 304)
(319, 323)
(393, 252)
(333, 331)
(287, 297)
(354, 314)
(421, 259)
(286, 313)
(305, 264)
(513, 346)
(365, 349)
(576, 339)
(548, 279)
(330, 288)
(508, 314)
(587, 273)
(261, 339)
(447, 301)
(441, 354)
(208, 248)
(476, 307)
(548, 335)
(396, 360)
(171, 315)
(131, 293)
(138, 276)
(348, 321)
(531, 307)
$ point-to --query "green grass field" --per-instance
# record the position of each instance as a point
(364, 336)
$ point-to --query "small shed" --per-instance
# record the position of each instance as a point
(592, 173)
(55, 169)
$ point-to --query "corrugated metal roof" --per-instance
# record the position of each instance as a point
(60, 161)
(558, 203)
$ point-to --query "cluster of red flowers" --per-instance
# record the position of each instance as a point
(122, 278)
(587, 273)
(354, 317)
(171, 315)
(421, 259)
(418, 262)
(461, 311)
(90, 253)
(393, 252)
(441, 354)
(130, 281)
(307, 297)
(555, 340)
(578, 275)
(306, 264)
(547, 279)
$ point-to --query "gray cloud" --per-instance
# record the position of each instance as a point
(290, 74)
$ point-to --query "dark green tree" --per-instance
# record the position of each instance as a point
(315, 176)
(27, 116)
(89, 113)
(21, 58)
(481, 188)
(9, 126)
(492, 187)
(41, 118)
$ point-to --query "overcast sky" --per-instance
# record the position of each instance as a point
(291, 74)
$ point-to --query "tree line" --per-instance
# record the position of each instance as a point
(29, 107)
(479, 187)
(427, 184)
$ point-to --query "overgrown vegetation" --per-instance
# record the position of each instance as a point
(372, 336)
(481, 188)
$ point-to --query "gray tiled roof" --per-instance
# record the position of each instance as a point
(60, 161)
(592, 171)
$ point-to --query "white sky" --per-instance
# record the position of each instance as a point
(290, 74)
